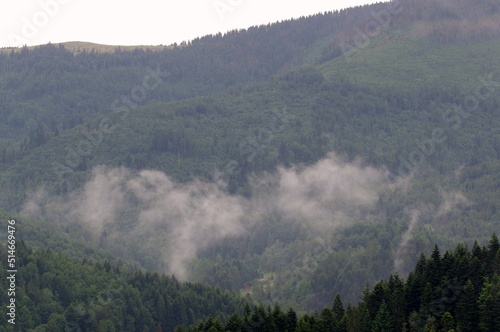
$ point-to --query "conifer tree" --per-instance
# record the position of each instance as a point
(489, 305)
(291, 320)
(467, 309)
(447, 322)
(382, 321)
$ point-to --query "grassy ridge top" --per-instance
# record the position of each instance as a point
(78, 47)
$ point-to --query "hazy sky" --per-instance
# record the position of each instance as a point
(146, 22)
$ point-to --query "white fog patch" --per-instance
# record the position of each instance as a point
(402, 250)
(452, 201)
(193, 216)
(196, 215)
(327, 194)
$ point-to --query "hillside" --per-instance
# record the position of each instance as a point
(289, 162)
(457, 291)
(55, 293)
(53, 88)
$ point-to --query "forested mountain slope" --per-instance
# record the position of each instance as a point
(457, 291)
(47, 89)
(55, 293)
(367, 148)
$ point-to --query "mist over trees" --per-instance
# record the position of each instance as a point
(238, 175)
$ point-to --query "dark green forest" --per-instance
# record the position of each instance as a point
(56, 293)
(455, 291)
(280, 166)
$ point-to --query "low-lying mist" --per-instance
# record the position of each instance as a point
(185, 218)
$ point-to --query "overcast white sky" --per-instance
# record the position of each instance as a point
(145, 22)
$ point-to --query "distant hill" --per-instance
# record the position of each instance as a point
(78, 47)
(54, 87)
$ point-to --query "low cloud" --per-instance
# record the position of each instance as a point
(403, 249)
(328, 194)
(193, 216)
(95, 205)
(452, 201)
